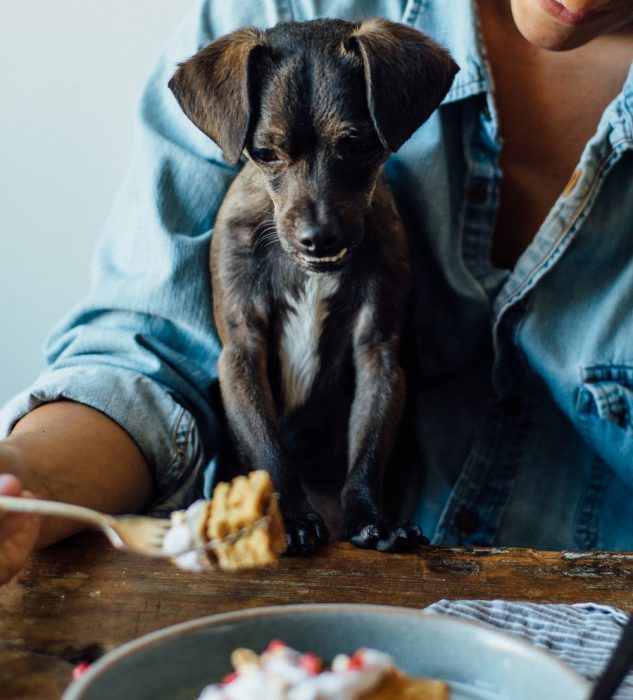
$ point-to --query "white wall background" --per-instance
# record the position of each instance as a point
(71, 74)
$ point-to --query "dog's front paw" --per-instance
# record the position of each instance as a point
(304, 533)
(387, 537)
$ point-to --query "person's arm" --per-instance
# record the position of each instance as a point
(68, 452)
(18, 531)
(131, 370)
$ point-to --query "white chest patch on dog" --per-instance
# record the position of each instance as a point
(299, 345)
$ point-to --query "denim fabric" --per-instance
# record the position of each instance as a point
(524, 404)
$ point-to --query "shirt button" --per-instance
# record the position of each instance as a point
(467, 522)
(573, 181)
(512, 405)
(477, 193)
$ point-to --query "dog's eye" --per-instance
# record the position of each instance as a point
(265, 155)
(351, 147)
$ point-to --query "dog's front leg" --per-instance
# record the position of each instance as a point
(249, 406)
(376, 413)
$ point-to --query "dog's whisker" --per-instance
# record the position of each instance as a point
(259, 234)
(272, 240)
(265, 240)
(263, 229)
(265, 234)
(270, 212)
(264, 222)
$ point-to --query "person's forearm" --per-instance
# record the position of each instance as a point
(68, 452)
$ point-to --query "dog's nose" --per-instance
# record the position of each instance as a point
(318, 240)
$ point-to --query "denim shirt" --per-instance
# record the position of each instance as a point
(524, 404)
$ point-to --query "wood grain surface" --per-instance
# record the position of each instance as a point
(80, 598)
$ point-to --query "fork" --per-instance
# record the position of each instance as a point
(135, 533)
(617, 666)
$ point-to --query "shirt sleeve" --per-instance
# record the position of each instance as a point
(142, 347)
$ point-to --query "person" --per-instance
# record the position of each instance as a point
(517, 195)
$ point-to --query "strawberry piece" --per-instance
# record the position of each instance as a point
(230, 677)
(311, 663)
(80, 669)
(356, 661)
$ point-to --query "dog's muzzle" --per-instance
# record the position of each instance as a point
(323, 261)
(320, 248)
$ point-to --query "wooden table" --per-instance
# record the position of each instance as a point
(81, 598)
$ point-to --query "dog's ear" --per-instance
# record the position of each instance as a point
(214, 88)
(407, 76)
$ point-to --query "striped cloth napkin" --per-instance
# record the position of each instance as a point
(582, 635)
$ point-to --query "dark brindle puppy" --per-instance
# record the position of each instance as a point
(309, 259)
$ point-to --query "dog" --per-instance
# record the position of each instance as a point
(309, 261)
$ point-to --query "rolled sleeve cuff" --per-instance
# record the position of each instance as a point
(163, 429)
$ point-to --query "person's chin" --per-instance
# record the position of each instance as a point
(550, 25)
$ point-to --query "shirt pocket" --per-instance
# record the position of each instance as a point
(607, 394)
(605, 415)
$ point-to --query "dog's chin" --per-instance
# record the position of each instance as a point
(324, 263)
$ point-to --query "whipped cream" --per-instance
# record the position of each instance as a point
(281, 673)
(184, 541)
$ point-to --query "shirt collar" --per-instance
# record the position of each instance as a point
(628, 90)
(455, 26)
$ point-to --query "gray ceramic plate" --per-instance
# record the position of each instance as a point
(478, 663)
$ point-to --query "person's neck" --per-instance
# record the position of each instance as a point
(549, 104)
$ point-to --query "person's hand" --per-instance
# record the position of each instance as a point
(18, 531)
